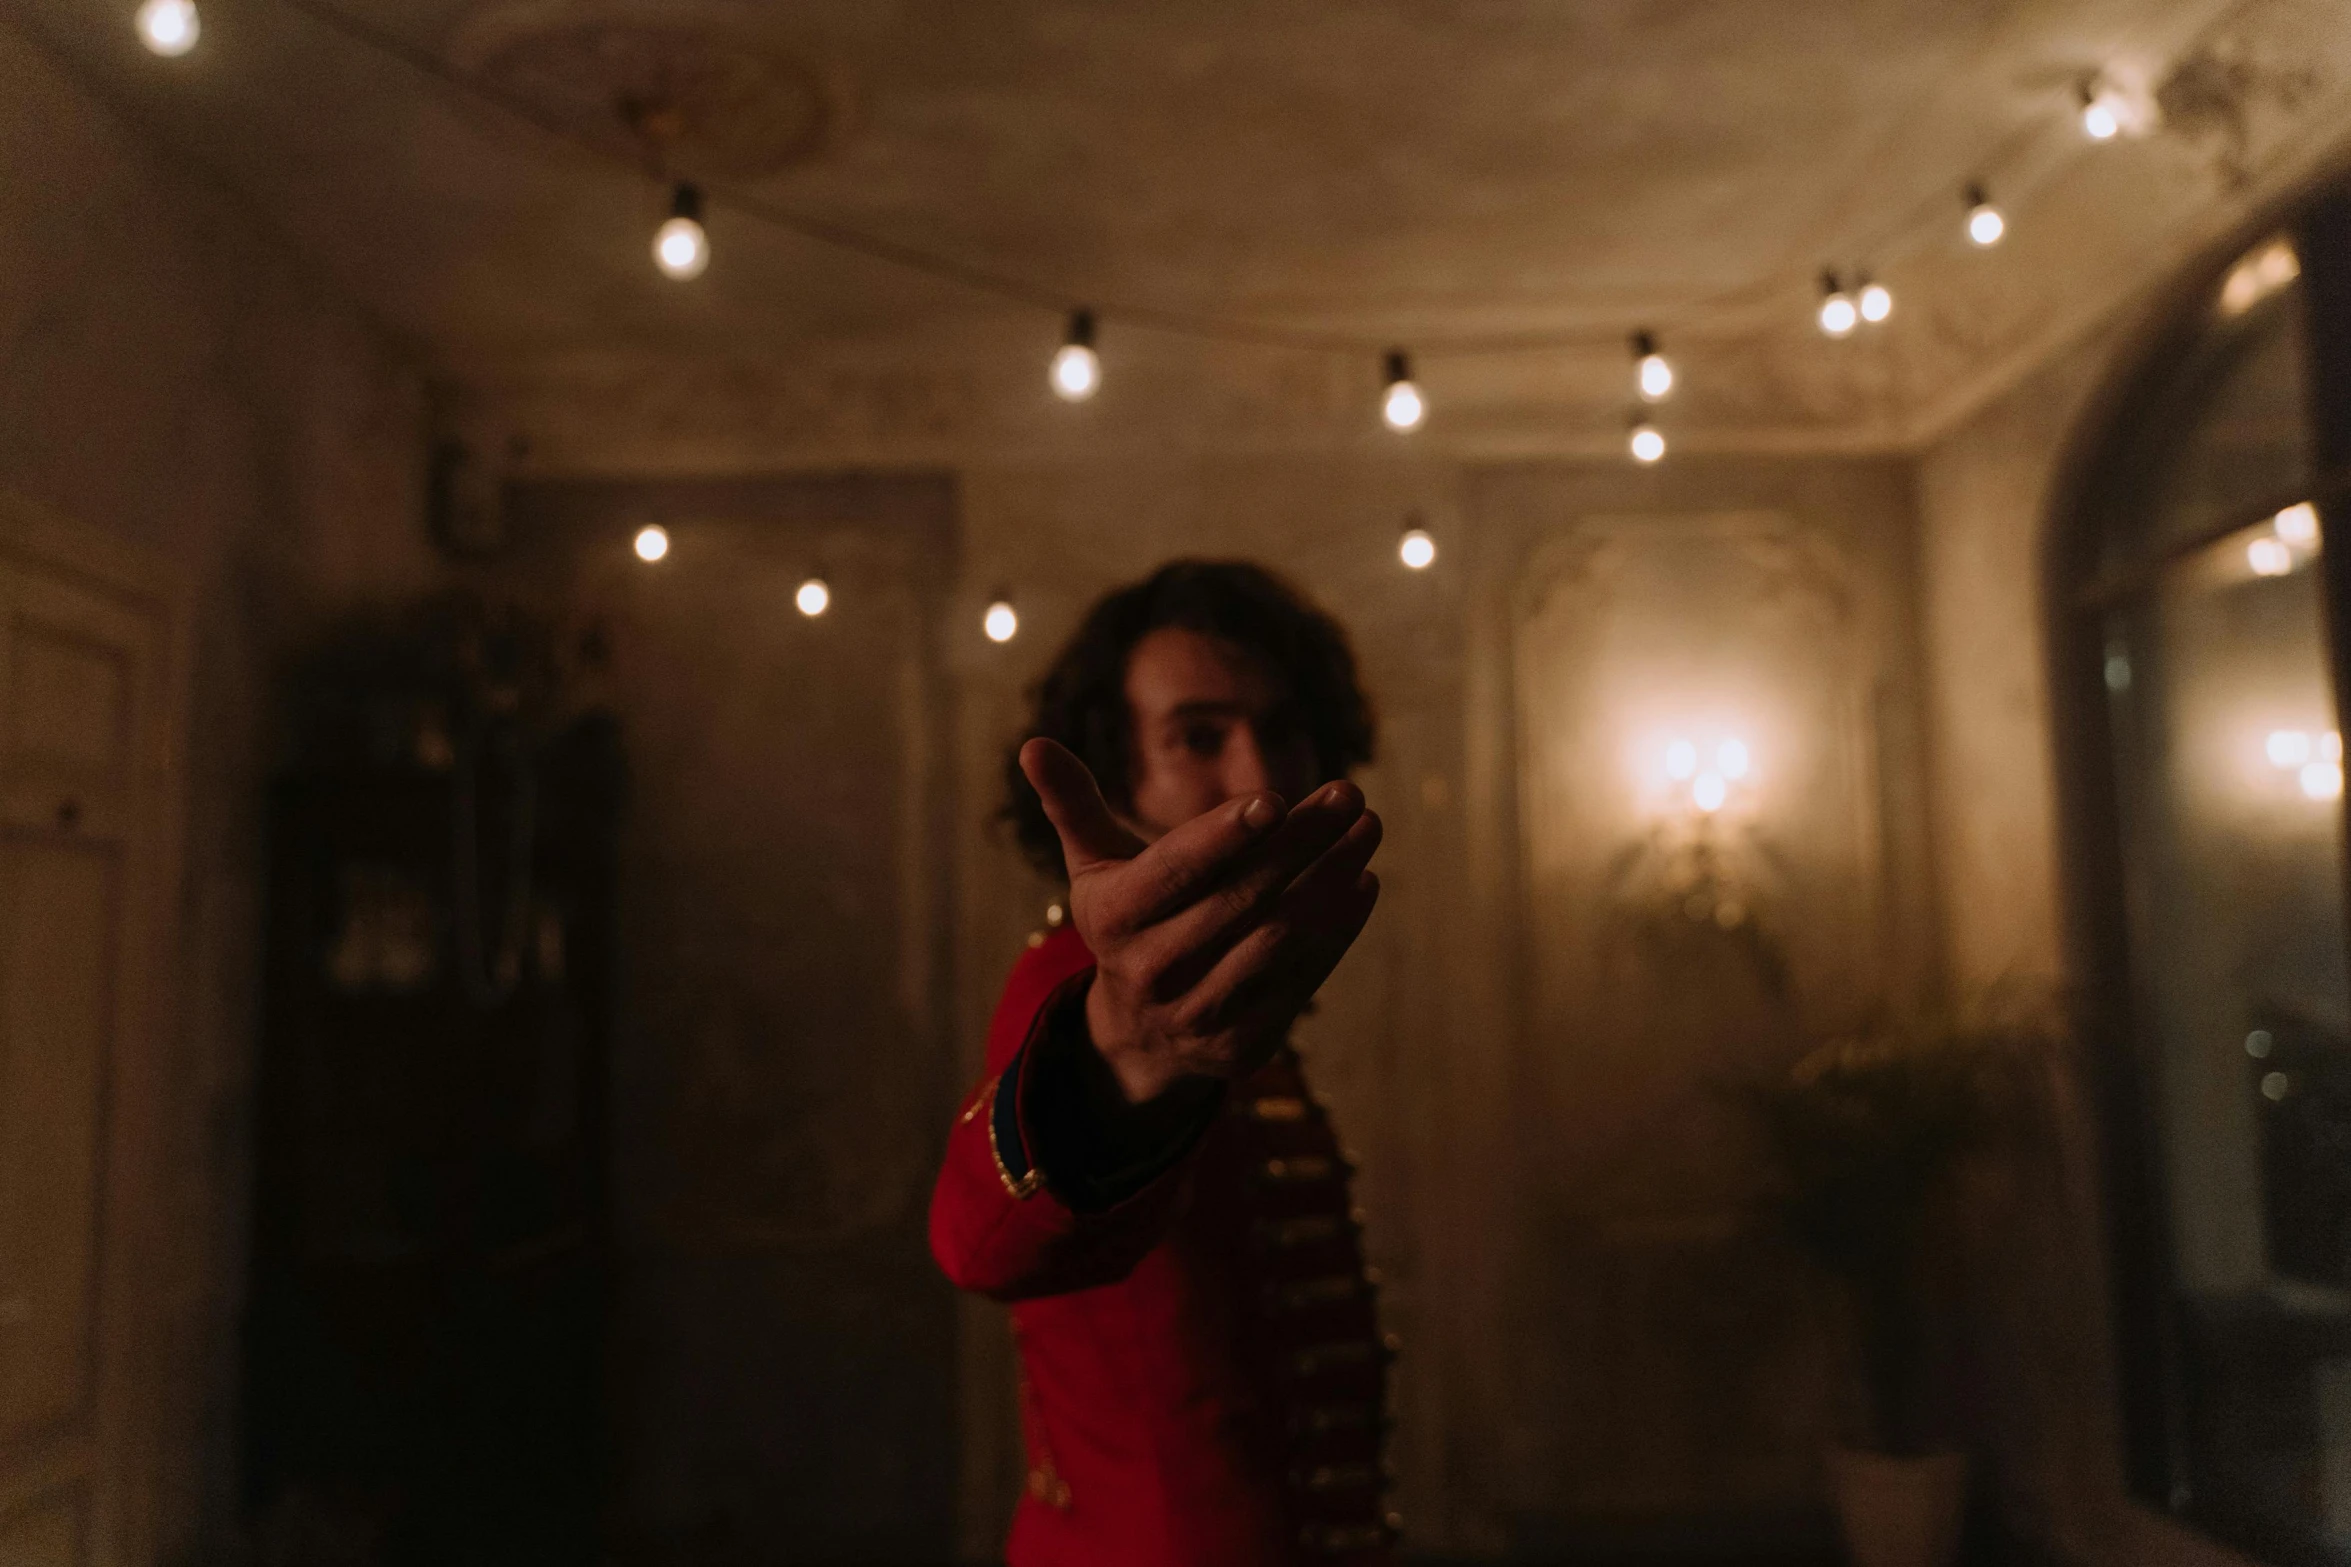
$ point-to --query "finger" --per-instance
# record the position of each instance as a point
(1270, 975)
(1297, 945)
(1074, 805)
(1182, 866)
(1194, 933)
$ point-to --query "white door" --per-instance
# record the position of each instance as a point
(87, 795)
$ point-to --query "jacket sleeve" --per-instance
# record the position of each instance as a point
(1002, 1223)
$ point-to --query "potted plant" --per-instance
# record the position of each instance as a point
(1866, 1133)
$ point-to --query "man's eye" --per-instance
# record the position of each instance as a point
(1203, 739)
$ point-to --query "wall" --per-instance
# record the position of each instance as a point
(172, 377)
(783, 1349)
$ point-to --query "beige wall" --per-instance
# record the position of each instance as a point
(171, 377)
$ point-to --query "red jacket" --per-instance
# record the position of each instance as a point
(1202, 1375)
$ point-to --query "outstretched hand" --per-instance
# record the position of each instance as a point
(1209, 942)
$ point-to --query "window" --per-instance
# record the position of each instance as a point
(2201, 628)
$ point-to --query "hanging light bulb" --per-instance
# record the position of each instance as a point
(681, 248)
(1653, 373)
(1985, 225)
(169, 27)
(652, 542)
(1403, 406)
(1837, 314)
(999, 621)
(1876, 302)
(1076, 370)
(1645, 441)
(1416, 549)
(2101, 112)
(814, 598)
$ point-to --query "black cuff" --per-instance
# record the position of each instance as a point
(1094, 1148)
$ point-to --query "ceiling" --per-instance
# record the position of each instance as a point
(1527, 180)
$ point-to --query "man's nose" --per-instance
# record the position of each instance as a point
(1245, 771)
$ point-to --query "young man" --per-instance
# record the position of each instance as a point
(1143, 1173)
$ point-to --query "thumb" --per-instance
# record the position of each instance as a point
(1074, 804)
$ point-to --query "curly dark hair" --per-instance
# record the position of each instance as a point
(1082, 699)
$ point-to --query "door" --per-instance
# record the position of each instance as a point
(86, 763)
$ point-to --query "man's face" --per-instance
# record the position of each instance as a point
(1210, 723)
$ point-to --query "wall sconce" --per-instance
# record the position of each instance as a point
(1700, 775)
(1696, 875)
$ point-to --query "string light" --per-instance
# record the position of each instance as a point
(681, 248)
(1645, 441)
(1077, 372)
(814, 598)
(1985, 225)
(1837, 313)
(1416, 549)
(1403, 407)
(2297, 524)
(2101, 112)
(2269, 557)
(999, 621)
(1652, 372)
(652, 542)
(2131, 110)
(169, 27)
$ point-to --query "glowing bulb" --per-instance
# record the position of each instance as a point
(1877, 302)
(1416, 549)
(2287, 748)
(2258, 276)
(1731, 759)
(1985, 225)
(1709, 792)
(1837, 315)
(169, 27)
(2108, 111)
(1403, 407)
(2269, 558)
(2297, 524)
(1681, 760)
(680, 247)
(2323, 780)
(652, 542)
(1646, 442)
(2275, 1086)
(1000, 623)
(1653, 373)
(814, 598)
(1077, 372)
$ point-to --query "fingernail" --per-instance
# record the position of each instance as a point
(1258, 812)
